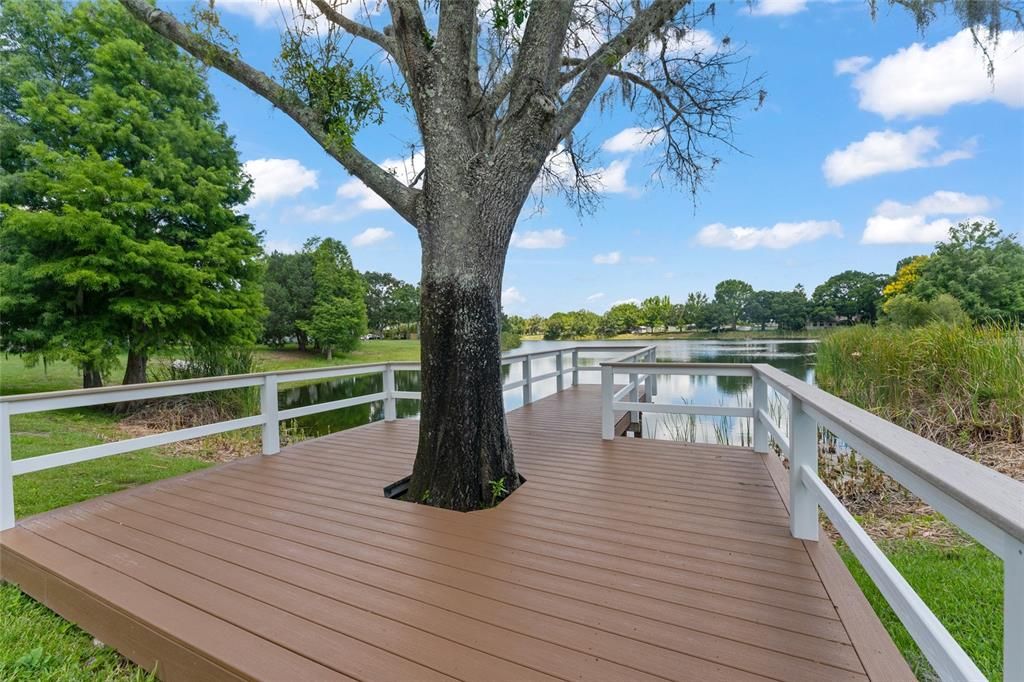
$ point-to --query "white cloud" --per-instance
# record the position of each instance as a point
(280, 245)
(631, 140)
(596, 297)
(273, 179)
(610, 258)
(898, 223)
(851, 65)
(888, 151)
(539, 239)
(372, 235)
(778, 7)
(512, 295)
(610, 179)
(920, 80)
(279, 12)
(363, 198)
(779, 236)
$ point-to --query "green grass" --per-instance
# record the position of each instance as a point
(963, 586)
(35, 643)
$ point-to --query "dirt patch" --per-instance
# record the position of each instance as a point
(171, 415)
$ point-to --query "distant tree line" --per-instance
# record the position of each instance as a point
(978, 274)
(318, 300)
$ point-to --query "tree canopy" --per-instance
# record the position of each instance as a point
(120, 190)
(338, 317)
(981, 268)
(390, 301)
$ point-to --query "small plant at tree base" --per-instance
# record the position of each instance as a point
(425, 496)
(498, 490)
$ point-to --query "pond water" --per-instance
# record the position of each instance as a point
(796, 357)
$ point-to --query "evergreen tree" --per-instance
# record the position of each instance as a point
(338, 315)
(120, 187)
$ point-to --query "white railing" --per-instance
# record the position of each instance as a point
(268, 419)
(984, 503)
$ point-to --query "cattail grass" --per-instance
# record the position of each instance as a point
(957, 384)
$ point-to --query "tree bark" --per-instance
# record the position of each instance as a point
(135, 366)
(464, 443)
(91, 376)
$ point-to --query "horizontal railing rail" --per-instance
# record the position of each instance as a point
(269, 417)
(984, 503)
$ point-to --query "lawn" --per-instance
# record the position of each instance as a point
(962, 585)
(35, 643)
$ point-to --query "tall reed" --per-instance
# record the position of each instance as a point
(957, 384)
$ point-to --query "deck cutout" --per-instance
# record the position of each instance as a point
(398, 489)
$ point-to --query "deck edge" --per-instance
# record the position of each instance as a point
(108, 623)
(878, 654)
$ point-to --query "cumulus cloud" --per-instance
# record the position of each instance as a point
(779, 236)
(631, 140)
(610, 258)
(539, 239)
(279, 12)
(610, 179)
(923, 222)
(851, 65)
(274, 179)
(359, 196)
(919, 80)
(372, 235)
(888, 151)
(765, 8)
(280, 245)
(512, 295)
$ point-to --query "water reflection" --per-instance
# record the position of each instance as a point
(793, 357)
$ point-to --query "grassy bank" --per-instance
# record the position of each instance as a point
(961, 585)
(35, 643)
(960, 386)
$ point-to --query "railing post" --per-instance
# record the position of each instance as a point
(268, 408)
(607, 412)
(527, 378)
(559, 380)
(6, 474)
(390, 406)
(575, 367)
(1013, 611)
(651, 381)
(634, 397)
(760, 402)
(803, 446)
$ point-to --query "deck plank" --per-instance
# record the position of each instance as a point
(629, 559)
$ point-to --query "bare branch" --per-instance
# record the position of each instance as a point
(604, 59)
(396, 194)
(354, 27)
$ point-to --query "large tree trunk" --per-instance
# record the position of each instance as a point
(463, 438)
(135, 367)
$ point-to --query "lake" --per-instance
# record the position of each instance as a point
(796, 357)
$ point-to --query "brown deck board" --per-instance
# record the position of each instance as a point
(631, 559)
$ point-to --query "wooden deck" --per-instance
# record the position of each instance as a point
(621, 560)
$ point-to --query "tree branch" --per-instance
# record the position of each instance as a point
(607, 56)
(354, 27)
(389, 188)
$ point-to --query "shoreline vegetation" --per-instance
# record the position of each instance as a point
(958, 385)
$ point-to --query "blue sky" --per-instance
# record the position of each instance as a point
(872, 139)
